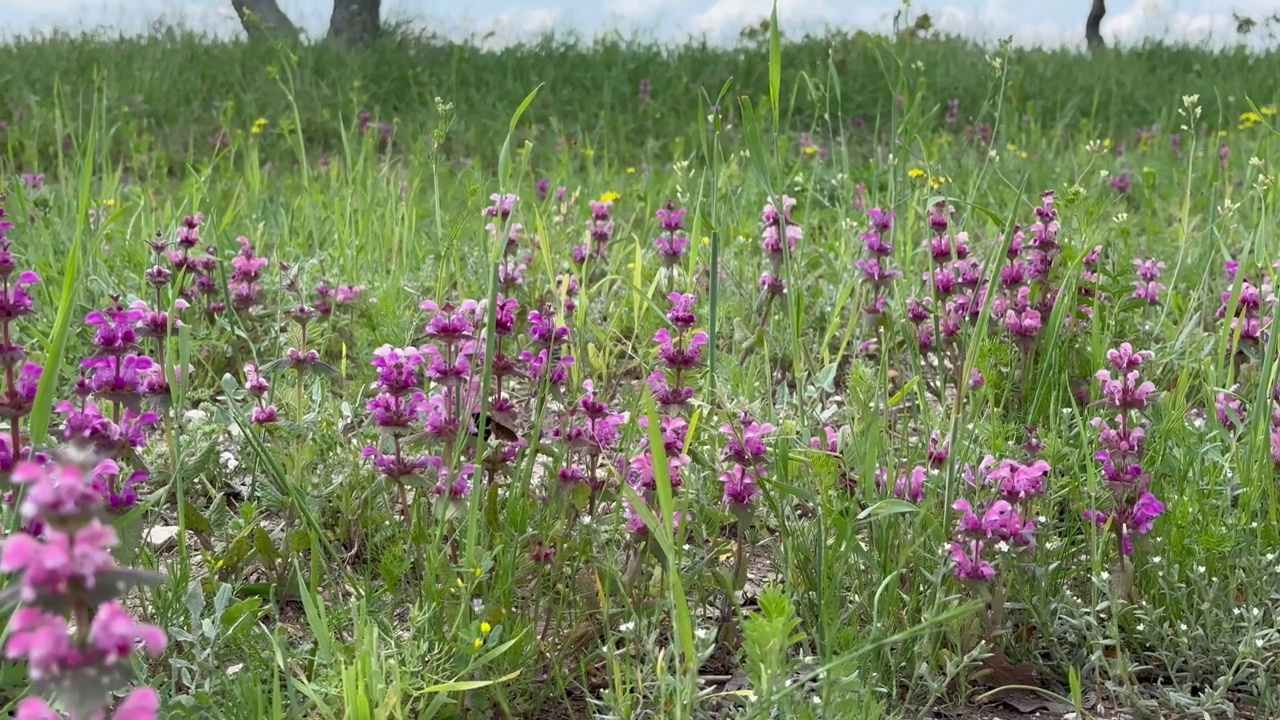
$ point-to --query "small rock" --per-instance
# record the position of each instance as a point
(161, 536)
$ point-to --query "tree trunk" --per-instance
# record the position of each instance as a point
(1093, 26)
(355, 23)
(264, 19)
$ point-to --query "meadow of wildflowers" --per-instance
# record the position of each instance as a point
(762, 412)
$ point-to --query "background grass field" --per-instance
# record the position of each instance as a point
(301, 584)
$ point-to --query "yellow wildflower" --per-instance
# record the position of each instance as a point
(477, 644)
(915, 173)
(810, 150)
(258, 126)
(109, 202)
(1106, 143)
(1268, 110)
(479, 572)
(631, 171)
(485, 628)
(937, 181)
(1248, 120)
(609, 197)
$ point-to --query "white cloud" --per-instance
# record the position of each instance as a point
(639, 9)
(730, 16)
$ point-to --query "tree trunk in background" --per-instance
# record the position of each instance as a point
(355, 23)
(264, 18)
(1093, 26)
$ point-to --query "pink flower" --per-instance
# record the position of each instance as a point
(911, 487)
(141, 704)
(969, 563)
(40, 638)
(114, 633)
(1017, 481)
(55, 491)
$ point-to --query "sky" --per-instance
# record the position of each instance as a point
(1029, 22)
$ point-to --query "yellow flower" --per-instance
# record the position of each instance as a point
(477, 644)
(485, 628)
(915, 173)
(1106, 143)
(1012, 148)
(810, 150)
(109, 202)
(706, 240)
(1248, 120)
(479, 572)
(631, 171)
(609, 197)
(1268, 110)
(258, 126)
(937, 181)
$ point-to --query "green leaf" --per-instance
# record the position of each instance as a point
(887, 507)
(775, 67)
(755, 146)
(42, 410)
(504, 156)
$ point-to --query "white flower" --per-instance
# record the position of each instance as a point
(195, 417)
(229, 461)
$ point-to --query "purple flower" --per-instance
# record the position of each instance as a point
(15, 301)
(873, 273)
(970, 566)
(397, 369)
(911, 487)
(1018, 482)
(740, 488)
(1125, 392)
(502, 207)
(1122, 182)
(450, 324)
(1023, 326)
(745, 444)
(1230, 411)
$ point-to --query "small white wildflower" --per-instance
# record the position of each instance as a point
(195, 417)
(1141, 627)
(1182, 627)
(702, 633)
(229, 461)
(1255, 162)
(1200, 569)
(626, 627)
(1120, 218)
(1002, 547)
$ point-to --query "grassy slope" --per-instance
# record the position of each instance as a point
(400, 606)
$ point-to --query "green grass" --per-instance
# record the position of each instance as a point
(303, 589)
